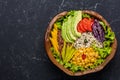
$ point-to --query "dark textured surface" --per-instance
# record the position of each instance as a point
(22, 27)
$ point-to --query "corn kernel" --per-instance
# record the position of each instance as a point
(91, 57)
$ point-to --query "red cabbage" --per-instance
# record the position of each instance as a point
(98, 31)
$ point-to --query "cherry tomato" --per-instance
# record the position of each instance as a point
(81, 26)
(85, 25)
(79, 30)
(83, 56)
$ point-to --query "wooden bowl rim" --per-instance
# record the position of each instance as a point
(79, 73)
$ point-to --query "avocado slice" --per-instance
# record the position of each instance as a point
(69, 30)
(69, 27)
(64, 33)
(77, 17)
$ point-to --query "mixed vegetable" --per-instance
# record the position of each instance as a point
(80, 41)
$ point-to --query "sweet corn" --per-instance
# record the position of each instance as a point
(90, 57)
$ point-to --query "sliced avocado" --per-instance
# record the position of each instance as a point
(69, 27)
(64, 34)
(77, 17)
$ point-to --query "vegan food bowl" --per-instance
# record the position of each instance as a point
(80, 42)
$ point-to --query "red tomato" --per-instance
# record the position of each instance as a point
(83, 56)
(90, 24)
(78, 29)
(85, 25)
(81, 26)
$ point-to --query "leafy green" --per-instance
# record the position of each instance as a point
(76, 68)
(67, 65)
(84, 15)
(55, 54)
(61, 62)
(60, 21)
(109, 38)
(71, 13)
(98, 62)
(71, 66)
(106, 43)
(103, 52)
(109, 35)
(103, 25)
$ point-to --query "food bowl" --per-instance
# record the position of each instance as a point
(61, 64)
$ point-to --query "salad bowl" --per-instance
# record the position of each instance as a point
(80, 42)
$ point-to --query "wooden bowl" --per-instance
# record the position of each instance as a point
(79, 73)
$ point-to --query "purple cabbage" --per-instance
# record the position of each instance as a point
(98, 31)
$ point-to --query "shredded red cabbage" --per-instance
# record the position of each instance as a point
(98, 31)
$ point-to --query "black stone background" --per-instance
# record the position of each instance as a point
(22, 27)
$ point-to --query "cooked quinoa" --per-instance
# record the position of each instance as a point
(86, 40)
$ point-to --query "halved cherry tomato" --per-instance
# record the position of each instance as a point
(81, 26)
(90, 23)
(78, 29)
(85, 25)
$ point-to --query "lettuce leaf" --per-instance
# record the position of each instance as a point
(109, 35)
(60, 21)
(86, 15)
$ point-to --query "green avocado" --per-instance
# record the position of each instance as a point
(69, 30)
(77, 17)
(64, 33)
(69, 27)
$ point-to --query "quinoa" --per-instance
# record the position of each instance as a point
(86, 40)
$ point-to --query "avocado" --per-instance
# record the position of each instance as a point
(77, 17)
(69, 27)
(64, 33)
(69, 30)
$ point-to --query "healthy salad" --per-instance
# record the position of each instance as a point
(80, 41)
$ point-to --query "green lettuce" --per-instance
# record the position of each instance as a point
(60, 21)
(109, 38)
(86, 15)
